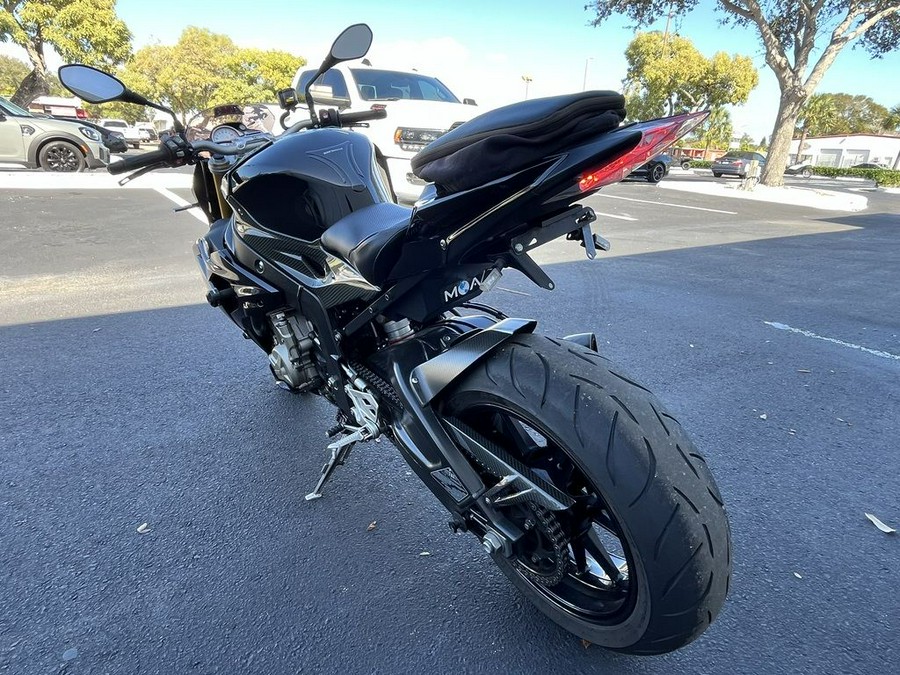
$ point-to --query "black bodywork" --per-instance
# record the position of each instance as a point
(298, 199)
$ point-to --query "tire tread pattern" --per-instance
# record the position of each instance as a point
(647, 468)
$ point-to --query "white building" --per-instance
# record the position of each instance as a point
(848, 150)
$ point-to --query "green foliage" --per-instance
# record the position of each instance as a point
(882, 177)
(800, 41)
(700, 164)
(817, 115)
(892, 121)
(667, 75)
(205, 69)
(87, 31)
(763, 144)
(12, 72)
(716, 131)
(746, 143)
(117, 110)
(826, 114)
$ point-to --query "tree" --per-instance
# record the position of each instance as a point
(12, 72)
(746, 143)
(892, 121)
(716, 131)
(205, 69)
(666, 75)
(816, 115)
(801, 38)
(763, 144)
(855, 115)
(87, 31)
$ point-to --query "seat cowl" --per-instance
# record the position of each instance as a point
(370, 239)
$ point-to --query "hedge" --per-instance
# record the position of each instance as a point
(882, 177)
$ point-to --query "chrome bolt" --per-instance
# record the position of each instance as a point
(260, 266)
(518, 248)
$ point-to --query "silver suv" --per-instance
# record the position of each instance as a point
(49, 144)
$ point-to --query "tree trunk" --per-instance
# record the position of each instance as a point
(782, 135)
(35, 84)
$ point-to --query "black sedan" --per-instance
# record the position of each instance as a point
(654, 170)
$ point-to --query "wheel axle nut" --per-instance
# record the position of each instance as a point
(492, 543)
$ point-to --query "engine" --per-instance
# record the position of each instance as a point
(291, 359)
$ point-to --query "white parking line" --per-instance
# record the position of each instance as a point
(194, 210)
(613, 215)
(810, 334)
(677, 206)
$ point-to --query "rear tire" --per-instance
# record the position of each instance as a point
(645, 470)
(716, 175)
(656, 173)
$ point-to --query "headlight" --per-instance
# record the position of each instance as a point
(92, 134)
(414, 140)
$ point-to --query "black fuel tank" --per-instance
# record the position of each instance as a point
(305, 182)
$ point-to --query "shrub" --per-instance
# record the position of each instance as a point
(882, 177)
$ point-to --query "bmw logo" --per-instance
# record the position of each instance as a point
(463, 287)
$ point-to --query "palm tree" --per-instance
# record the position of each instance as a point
(815, 117)
(892, 121)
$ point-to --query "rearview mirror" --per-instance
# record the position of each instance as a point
(353, 43)
(90, 84)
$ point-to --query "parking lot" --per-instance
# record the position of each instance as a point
(773, 332)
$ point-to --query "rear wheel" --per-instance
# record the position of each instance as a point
(61, 156)
(641, 564)
(717, 175)
(806, 173)
(656, 173)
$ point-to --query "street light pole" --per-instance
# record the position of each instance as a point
(584, 81)
(526, 79)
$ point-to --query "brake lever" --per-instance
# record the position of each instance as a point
(140, 172)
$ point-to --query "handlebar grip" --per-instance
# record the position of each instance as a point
(148, 158)
(353, 118)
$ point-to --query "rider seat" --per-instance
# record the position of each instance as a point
(370, 239)
(514, 137)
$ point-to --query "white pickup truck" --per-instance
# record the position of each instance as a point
(132, 134)
(419, 107)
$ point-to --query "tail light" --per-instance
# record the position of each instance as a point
(656, 136)
(80, 113)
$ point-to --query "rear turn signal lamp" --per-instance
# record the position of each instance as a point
(656, 136)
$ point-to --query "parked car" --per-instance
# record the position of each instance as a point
(113, 140)
(868, 165)
(736, 163)
(803, 169)
(131, 134)
(654, 170)
(47, 143)
(147, 131)
(420, 109)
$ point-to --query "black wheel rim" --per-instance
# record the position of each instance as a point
(596, 548)
(61, 158)
(657, 173)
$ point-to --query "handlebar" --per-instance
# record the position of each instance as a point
(346, 119)
(161, 156)
(175, 153)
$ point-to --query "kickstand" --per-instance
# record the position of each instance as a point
(339, 451)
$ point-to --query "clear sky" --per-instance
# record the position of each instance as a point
(481, 49)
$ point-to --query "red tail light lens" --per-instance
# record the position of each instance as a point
(656, 136)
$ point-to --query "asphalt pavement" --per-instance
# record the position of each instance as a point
(772, 332)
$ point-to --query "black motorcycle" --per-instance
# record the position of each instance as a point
(578, 483)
